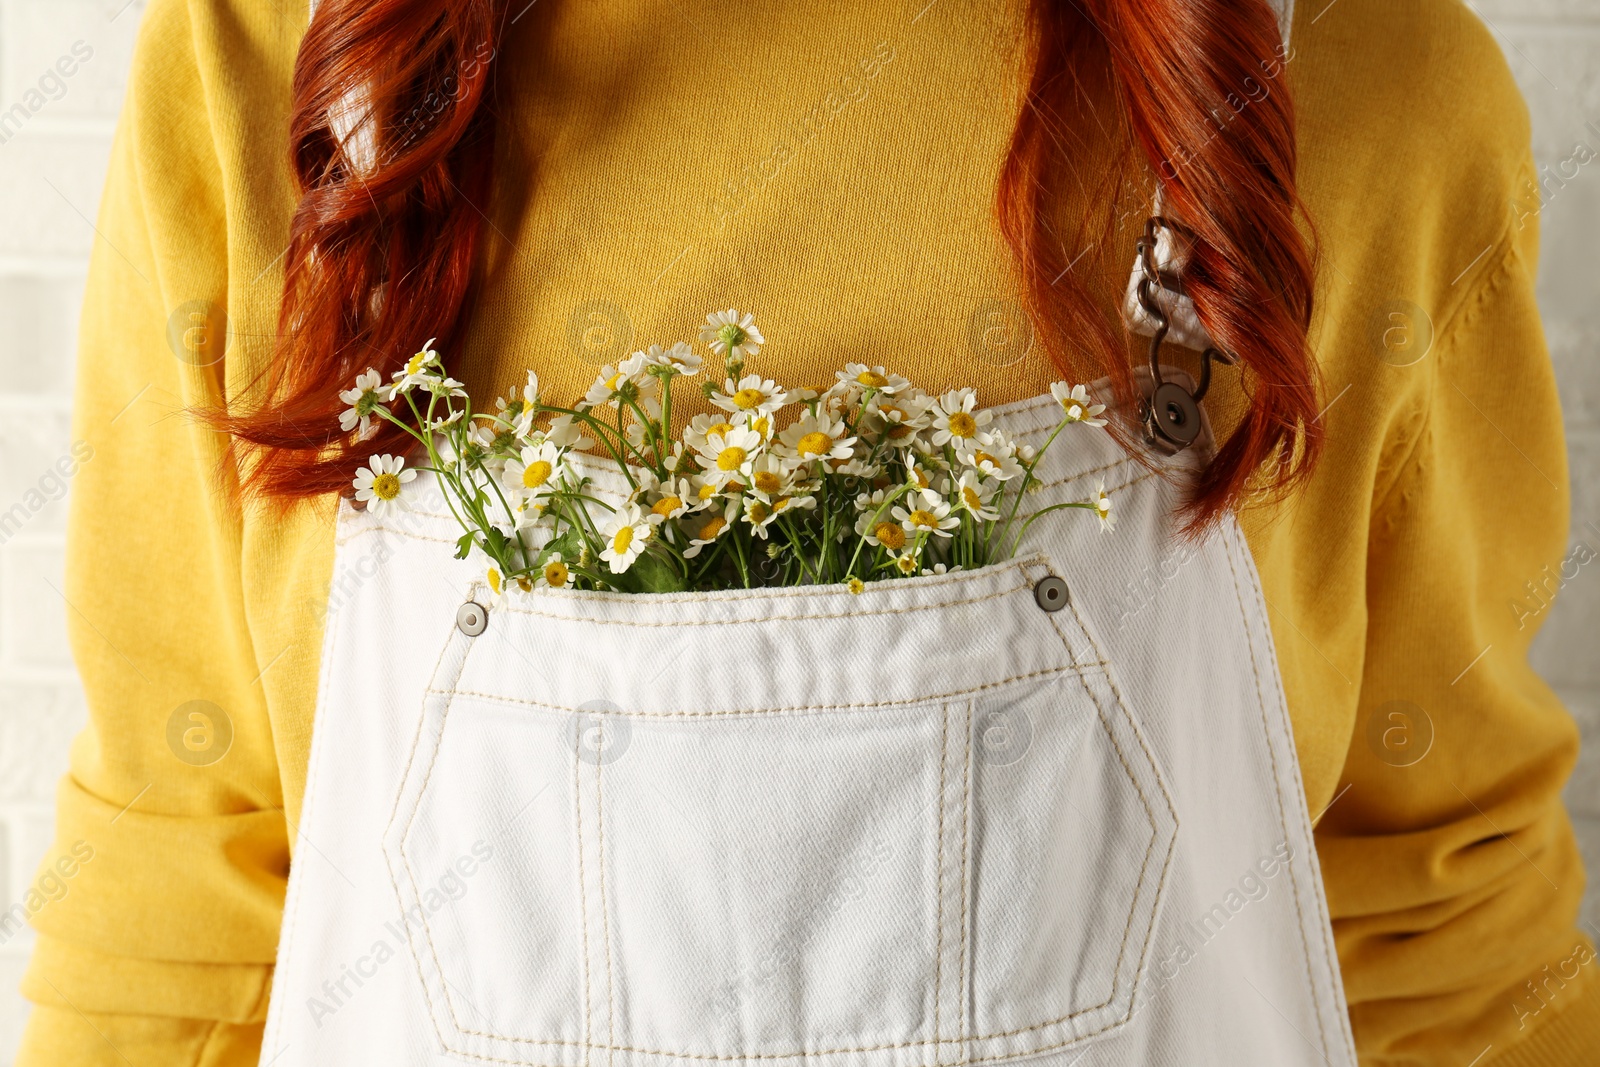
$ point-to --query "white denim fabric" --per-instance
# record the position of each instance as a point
(932, 824)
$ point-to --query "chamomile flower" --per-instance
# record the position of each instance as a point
(856, 467)
(637, 434)
(530, 513)
(711, 529)
(672, 498)
(975, 495)
(760, 512)
(902, 417)
(876, 502)
(856, 586)
(363, 399)
(920, 478)
(992, 455)
(533, 474)
(380, 484)
(906, 563)
(441, 424)
(928, 514)
(627, 534)
(874, 378)
(1075, 401)
(763, 425)
(554, 574)
(938, 568)
(881, 531)
(817, 437)
(702, 426)
(752, 396)
(680, 358)
(955, 421)
(706, 489)
(731, 335)
(496, 583)
(418, 369)
(441, 386)
(565, 432)
(770, 476)
(1102, 503)
(726, 456)
(612, 383)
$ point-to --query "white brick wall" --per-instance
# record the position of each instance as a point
(1554, 50)
(50, 177)
(52, 165)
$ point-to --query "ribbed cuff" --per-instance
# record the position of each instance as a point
(1570, 1039)
(61, 1037)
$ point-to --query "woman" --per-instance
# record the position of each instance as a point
(950, 189)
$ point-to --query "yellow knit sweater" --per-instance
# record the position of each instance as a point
(833, 171)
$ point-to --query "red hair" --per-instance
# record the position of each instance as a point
(391, 139)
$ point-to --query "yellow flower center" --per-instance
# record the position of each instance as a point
(667, 506)
(899, 431)
(768, 482)
(762, 426)
(712, 528)
(814, 444)
(707, 491)
(611, 382)
(924, 519)
(906, 564)
(494, 581)
(962, 425)
(555, 573)
(872, 379)
(622, 539)
(857, 585)
(758, 512)
(920, 477)
(970, 495)
(731, 458)
(981, 457)
(721, 428)
(386, 486)
(890, 535)
(745, 399)
(414, 364)
(1074, 409)
(536, 474)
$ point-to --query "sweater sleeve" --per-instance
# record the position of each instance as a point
(1452, 873)
(160, 949)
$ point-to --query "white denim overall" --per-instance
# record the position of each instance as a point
(947, 821)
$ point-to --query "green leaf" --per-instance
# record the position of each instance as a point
(655, 574)
(464, 545)
(568, 544)
(495, 542)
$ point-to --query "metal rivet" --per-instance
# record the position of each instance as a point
(1051, 593)
(472, 619)
(1174, 415)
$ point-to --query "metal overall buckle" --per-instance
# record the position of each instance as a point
(1171, 413)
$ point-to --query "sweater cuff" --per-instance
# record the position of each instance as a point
(58, 1037)
(1568, 1039)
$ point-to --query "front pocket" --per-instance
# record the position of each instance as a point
(954, 852)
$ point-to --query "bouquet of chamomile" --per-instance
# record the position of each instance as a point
(867, 479)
